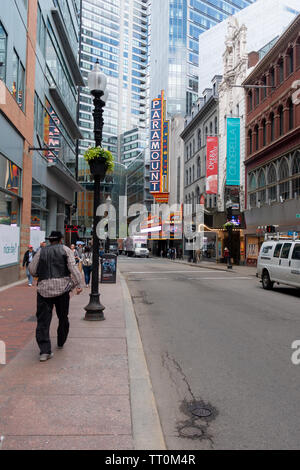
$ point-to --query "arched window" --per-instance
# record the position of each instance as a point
(206, 132)
(190, 175)
(193, 203)
(187, 152)
(296, 171)
(252, 182)
(281, 71)
(193, 173)
(252, 188)
(296, 164)
(216, 126)
(291, 115)
(193, 146)
(280, 114)
(250, 101)
(290, 60)
(199, 139)
(272, 124)
(250, 141)
(284, 186)
(186, 177)
(261, 179)
(272, 180)
(198, 195)
(198, 167)
(272, 76)
(210, 129)
(261, 184)
(191, 149)
(256, 137)
(264, 132)
(283, 169)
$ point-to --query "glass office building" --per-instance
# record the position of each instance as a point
(115, 33)
(174, 49)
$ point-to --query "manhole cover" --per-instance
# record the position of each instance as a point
(201, 412)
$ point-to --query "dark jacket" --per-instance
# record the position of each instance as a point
(26, 257)
(53, 263)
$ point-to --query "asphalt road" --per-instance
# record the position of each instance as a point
(217, 343)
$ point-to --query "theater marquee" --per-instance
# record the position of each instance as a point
(159, 151)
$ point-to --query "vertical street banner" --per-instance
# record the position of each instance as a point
(159, 150)
(212, 165)
(233, 152)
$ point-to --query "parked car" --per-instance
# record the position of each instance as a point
(279, 262)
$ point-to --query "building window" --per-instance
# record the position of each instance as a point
(199, 139)
(291, 61)
(256, 96)
(272, 122)
(280, 113)
(178, 179)
(256, 137)
(250, 141)
(198, 167)
(296, 172)
(281, 71)
(250, 101)
(284, 186)
(210, 129)
(264, 132)
(18, 80)
(216, 126)
(41, 31)
(291, 115)
(261, 185)
(272, 76)
(193, 172)
(3, 49)
(264, 90)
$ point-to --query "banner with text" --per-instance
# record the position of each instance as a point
(9, 244)
(212, 165)
(233, 152)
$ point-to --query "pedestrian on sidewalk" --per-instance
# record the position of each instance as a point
(87, 263)
(57, 275)
(28, 257)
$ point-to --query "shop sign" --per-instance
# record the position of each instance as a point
(9, 244)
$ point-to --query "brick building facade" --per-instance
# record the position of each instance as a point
(272, 160)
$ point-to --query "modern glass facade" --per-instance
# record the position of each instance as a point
(178, 58)
(115, 33)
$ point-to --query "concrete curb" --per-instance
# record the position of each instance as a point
(14, 284)
(147, 431)
(199, 265)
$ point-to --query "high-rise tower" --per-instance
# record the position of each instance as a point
(174, 50)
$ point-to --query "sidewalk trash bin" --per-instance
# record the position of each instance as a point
(108, 268)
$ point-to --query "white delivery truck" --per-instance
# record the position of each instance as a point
(136, 246)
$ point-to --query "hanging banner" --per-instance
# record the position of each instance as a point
(212, 165)
(233, 152)
(159, 150)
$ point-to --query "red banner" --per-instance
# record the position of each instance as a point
(212, 165)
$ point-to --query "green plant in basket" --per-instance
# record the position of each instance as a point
(98, 152)
(228, 226)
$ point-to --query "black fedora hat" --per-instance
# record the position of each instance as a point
(55, 236)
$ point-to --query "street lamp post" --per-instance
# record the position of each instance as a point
(97, 85)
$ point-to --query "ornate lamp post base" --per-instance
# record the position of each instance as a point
(94, 310)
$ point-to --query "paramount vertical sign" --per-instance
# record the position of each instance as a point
(159, 151)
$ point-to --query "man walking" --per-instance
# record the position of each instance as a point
(57, 274)
(28, 257)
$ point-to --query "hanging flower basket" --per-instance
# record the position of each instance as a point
(100, 160)
(228, 226)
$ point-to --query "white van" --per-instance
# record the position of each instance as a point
(279, 261)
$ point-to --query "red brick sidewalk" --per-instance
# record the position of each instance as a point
(17, 318)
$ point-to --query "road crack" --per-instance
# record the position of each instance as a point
(194, 427)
